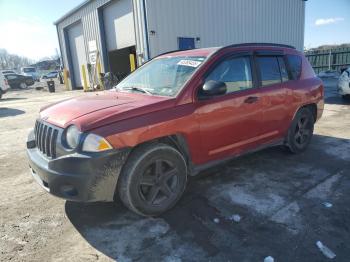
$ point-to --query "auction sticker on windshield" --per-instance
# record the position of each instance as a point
(191, 63)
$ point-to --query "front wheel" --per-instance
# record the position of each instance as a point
(301, 131)
(153, 179)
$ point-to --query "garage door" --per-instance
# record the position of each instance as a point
(77, 50)
(119, 24)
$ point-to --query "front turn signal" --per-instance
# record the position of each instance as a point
(95, 143)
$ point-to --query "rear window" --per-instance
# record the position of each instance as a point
(29, 70)
(11, 77)
(294, 63)
(269, 70)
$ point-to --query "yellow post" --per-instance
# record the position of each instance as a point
(65, 78)
(98, 65)
(132, 62)
(85, 86)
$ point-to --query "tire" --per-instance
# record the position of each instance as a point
(153, 179)
(346, 97)
(23, 85)
(301, 131)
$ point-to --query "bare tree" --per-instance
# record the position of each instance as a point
(11, 61)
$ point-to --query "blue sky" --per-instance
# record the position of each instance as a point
(27, 29)
(26, 26)
(327, 22)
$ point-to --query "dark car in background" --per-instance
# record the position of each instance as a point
(19, 81)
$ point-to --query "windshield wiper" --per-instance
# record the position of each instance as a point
(138, 89)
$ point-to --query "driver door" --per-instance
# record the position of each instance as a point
(231, 123)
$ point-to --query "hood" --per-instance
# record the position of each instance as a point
(95, 109)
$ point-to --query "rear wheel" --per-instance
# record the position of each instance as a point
(346, 97)
(300, 131)
(23, 85)
(153, 179)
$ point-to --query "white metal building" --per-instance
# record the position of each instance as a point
(146, 28)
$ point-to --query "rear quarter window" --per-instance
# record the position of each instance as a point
(294, 64)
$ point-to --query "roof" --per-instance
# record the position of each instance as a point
(211, 50)
(75, 9)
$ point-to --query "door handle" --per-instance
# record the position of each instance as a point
(251, 99)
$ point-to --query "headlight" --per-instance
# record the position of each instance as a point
(72, 137)
(95, 143)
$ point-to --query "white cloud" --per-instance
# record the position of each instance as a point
(328, 21)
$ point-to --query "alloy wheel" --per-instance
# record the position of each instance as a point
(159, 183)
(302, 131)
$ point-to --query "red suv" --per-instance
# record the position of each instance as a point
(177, 114)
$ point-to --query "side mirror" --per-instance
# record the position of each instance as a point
(213, 88)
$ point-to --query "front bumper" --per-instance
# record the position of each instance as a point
(78, 177)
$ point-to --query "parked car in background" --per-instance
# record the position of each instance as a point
(19, 81)
(4, 86)
(329, 74)
(30, 71)
(174, 116)
(344, 84)
(52, 74)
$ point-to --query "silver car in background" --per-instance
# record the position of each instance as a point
(344, 84)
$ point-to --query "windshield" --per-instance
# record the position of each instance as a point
(164, 76)
(29, 70)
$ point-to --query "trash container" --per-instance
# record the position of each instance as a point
(51, 86)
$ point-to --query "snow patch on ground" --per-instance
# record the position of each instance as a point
(324, 189)
(289, 216)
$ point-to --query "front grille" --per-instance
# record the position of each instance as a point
(45, 138)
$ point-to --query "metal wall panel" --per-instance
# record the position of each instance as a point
(224, 22)
(119, 25)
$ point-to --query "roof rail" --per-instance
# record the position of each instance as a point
(173, 51)
(260, 44)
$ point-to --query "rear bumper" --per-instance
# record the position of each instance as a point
(344, 88)
(320, 107)
(77, 177)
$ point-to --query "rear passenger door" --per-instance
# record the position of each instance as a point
(273, 77)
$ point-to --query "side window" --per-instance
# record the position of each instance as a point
(235, 72)
(294, 63)
(269, 70)
(11, 77)
(283, 69)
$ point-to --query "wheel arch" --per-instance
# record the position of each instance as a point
(177, 141)
(311, 106)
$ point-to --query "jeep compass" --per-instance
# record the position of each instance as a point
(174, 116)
